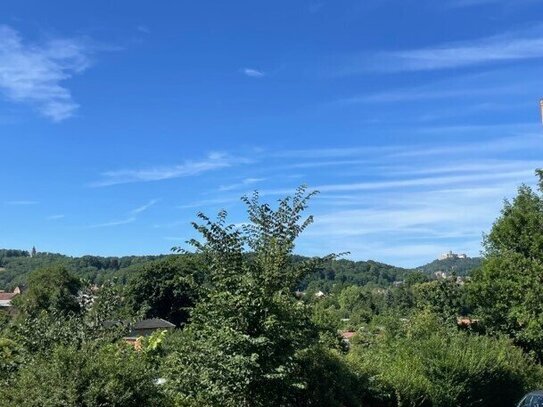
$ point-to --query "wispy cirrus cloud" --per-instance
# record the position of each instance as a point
(511, 46)
(525, 140)
(112, 223)
(34, 73)
(244, 183)
(253, 73)
(56, 217)
(213, 161)
(444, 91)
(145, 207)
(131, 217)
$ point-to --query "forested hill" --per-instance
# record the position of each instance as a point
(458, 266)
(15, 265)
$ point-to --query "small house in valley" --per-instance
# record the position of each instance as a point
(6, 298)
(147, 327)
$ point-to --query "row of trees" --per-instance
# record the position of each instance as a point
(245, 339)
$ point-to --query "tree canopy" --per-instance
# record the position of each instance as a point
(507, 289)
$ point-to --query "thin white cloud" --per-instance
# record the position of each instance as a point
(522, 140)
(253, 73)
(21, 203)
(386, 225)
(244, 183)
(112, 223)
(143, 29)
(213, 161)
(55, 217)
(34, 74)
(425, 181)
(511, 46)
(211, 202)
(143, 208)
(425, 93)
(482, 166)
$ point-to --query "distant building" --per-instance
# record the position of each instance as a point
(148, 326)
(466, 322)
(441, 275)
(33, 252)
(451, 255)
(346, 337)
(6, 298)
(319, 294)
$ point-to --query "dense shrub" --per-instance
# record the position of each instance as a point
(111, 376)
(329, 381)
(428, 364)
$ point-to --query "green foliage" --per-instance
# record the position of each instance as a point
(329, 380)
(428, 364)
(345, 273)
(416, 277)
(105, 304)
(52, 289)
(10, 359)
(42, 332)
(110, 376)
(507, 289)
(241, 348)
(167, 289)
(445, 298)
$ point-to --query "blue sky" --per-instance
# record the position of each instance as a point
(120, 120)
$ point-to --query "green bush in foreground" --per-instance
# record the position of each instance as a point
(427, 364)
(111, 376)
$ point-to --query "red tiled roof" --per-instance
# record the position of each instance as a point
(7, 296)
(348, 335)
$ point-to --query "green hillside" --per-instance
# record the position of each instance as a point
(461, 267)
(15, 265)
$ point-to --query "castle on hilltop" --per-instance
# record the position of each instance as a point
(451, 255)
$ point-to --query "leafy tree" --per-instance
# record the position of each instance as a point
(167, 288)
(445, 298)
(40, 333)
(416, 277)
(107, 304)
(241, 348)
(507, 289)
(52, 289)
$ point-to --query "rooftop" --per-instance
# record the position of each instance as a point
(154, 323)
